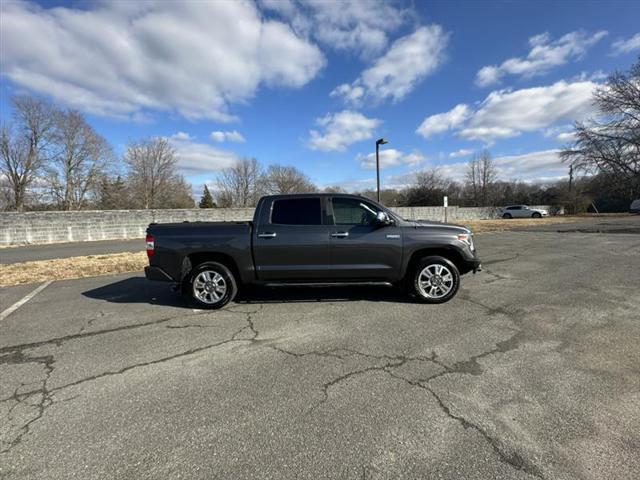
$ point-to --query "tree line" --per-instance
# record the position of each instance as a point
(51, 158)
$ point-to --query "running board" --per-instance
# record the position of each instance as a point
(327, 284)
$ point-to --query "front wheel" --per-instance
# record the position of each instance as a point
(435, 280)
(212, 285)
(536, 215)
(506, 215)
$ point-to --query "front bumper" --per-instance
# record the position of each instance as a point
(474, 265)
(157, 274)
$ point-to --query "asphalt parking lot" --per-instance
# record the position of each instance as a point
(532, 371)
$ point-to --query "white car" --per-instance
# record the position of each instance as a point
(522, 211)
(635, 206)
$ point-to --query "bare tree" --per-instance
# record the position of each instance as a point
(242, 184)
(176, 194)
(611, 145)
(152, 166)
(428, 189)
(79, 161)
(334, 189)
(481, 175)
(23, 145)
(284, 179)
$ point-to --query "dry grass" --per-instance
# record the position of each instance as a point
(94, 265)
(500, 225)
(74, 267)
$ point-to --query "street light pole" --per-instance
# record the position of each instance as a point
(379, 142)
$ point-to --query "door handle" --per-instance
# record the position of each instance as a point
(340, 234)
(267, 235)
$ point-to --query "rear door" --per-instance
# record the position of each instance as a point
(516, 211)
(361, 249)
(291, 242)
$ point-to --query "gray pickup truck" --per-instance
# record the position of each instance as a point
(318, 239)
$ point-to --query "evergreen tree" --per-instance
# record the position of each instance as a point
(207, 200)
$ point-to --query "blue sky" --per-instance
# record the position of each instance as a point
(313, 84)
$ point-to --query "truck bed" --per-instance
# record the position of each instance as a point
(177, 244)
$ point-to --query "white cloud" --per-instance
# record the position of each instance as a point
(566, 137)
(463, 152)
(544, 55)
(197, 158)
(394, 75)
(390, 157)
(533, 167)
(562, 133)
(228, 136)
(358, 26)
(506, 113)
(126, 59)
(442, 122)
(339, 130)
(626, 46)
(180, 137)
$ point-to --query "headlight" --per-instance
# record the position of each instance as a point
(467, 238)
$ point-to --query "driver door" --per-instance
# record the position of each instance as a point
(359, 248)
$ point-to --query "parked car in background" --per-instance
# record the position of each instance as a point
(522, 211)
(312, 239)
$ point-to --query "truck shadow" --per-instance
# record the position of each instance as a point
(141, 290)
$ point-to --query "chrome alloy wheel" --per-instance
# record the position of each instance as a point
(435, 281)
(209, 287)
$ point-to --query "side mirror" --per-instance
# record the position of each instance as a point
(383, 219)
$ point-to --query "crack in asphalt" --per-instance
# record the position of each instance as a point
(15, 355)
(496, 276)
(91, 320)
(58, 341)
(508, 259)
(470, 366)
(45, 401)
(505, 455)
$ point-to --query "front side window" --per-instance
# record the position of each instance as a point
(351, 211)
(297, 211)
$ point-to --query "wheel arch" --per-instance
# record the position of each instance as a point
(194, 259)
(449, 253)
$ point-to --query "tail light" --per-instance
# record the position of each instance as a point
(150, 245)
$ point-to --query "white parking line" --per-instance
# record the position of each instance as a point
(24, 300)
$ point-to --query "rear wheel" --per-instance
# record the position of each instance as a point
(435, 280)
(212, 285)
(507, 215)
(536, 215)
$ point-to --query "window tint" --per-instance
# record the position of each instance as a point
(297, 211)
(351, 211)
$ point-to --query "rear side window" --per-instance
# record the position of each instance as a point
(297, 211)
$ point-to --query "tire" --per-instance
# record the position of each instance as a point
(507, 216)
(209, 296)
(536, 215)
(440, 290)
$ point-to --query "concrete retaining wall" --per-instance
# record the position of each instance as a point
(91, 225)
